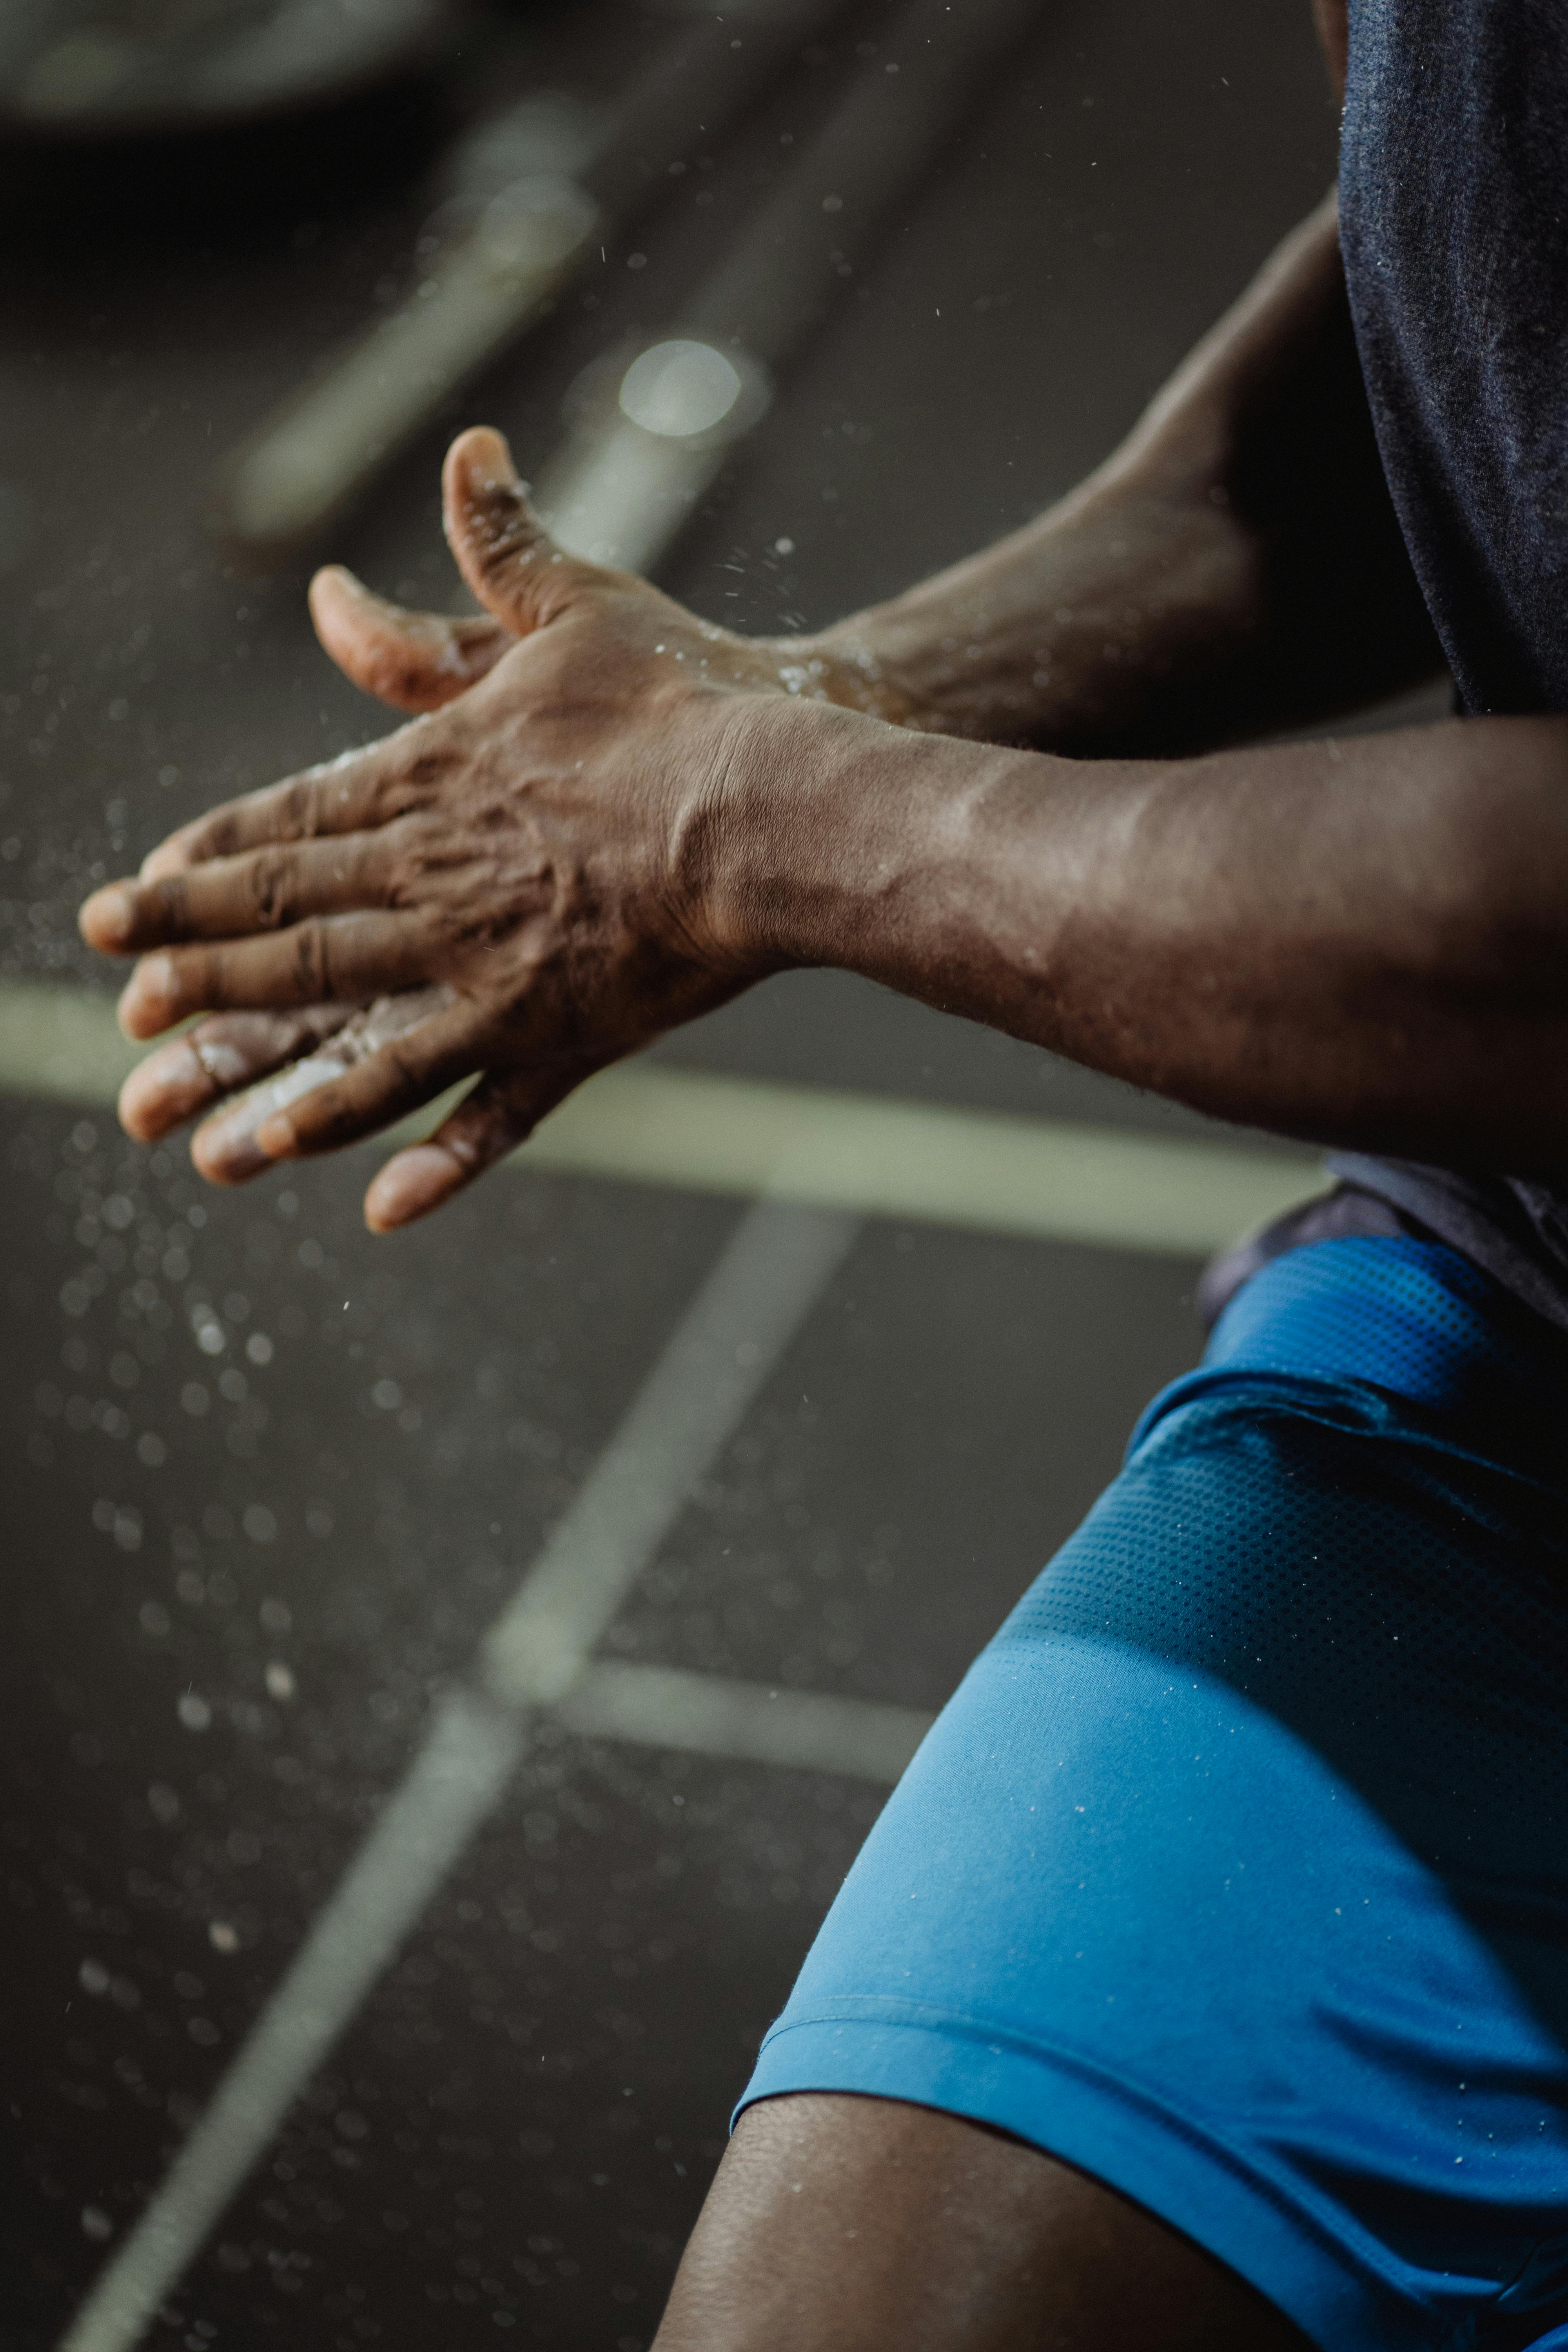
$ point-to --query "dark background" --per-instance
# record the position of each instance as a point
(519, 2128)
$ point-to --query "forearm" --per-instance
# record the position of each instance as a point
(1359, 943)
(1236, 568)
(610, 819)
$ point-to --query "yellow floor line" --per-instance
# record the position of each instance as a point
(707, 1714)
(1044, 1180)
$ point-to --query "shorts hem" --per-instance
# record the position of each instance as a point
(1117, 2133)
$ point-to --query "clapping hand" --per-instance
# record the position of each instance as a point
(518, 885)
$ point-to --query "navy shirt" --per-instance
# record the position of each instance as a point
(1454, 224)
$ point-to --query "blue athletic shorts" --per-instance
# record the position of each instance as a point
(1236, 1871)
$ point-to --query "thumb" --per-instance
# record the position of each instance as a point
(415, 661)
(502, 548)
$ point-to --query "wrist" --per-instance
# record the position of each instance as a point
(841, 841)
(776, 761)
(851, 665)
(1073, 636)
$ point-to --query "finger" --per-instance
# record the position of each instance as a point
(226, 1149)
(502, 1112)
(352, 794)
(403, 1074)
(415, 661)
(259, 890)
(502, 548)
(329, 958)
(213, 1060)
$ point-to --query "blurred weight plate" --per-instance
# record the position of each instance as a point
(92, 69)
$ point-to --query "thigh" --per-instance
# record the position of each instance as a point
(1232, 1879)
(842, 2224)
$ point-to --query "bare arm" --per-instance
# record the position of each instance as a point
(1235, 568)
(1359, 943)
(627, 815)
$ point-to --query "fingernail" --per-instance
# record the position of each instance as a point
(275, 1138)
(337, 580)
(163, 1090)
(105, 919)
(498, 466)
(416, 1182)
(225, 1150)
(149, 1001)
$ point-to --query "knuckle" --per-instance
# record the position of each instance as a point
(506, 533)
(509, 1124)
(172, 903)
(302, 807)
(402, 1073)
(313, 974)
(337, 1115)
(272, 890)
(402, 676)
(367, 877)
(428, 765)
(317, 1023)
(195, 980)
(400, 776)
(356, 1042)
(324, 1123)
